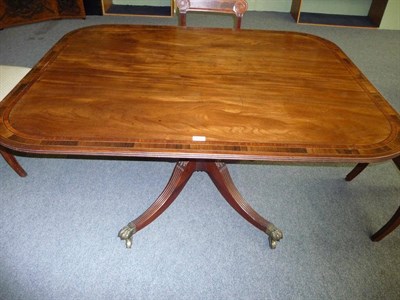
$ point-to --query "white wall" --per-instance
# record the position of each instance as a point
(347, 7)
(340, 7)
(270, 5)
(391, 18)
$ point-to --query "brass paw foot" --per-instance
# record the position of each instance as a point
(126, 234)
(274, 235)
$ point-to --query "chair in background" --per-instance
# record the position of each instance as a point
(9, 78)
(394, 222)
(234, 7)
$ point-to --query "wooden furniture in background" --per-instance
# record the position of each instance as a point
(202, 97)
(373, 19)
(26, 11)
(93, 7)
(234, 7)
(137, 8)
(394, 222)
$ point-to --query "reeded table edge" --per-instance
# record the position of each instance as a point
(348, 155)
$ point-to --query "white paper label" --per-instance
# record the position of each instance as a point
(198, 138)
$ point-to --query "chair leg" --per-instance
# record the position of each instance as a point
(388, 227)
(394, 222)
(396, 161)
(357, 170)
(12, 162)
(182, 19)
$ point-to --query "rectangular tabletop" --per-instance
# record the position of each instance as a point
(173, 92)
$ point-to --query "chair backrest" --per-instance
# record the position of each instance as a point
(234, 7)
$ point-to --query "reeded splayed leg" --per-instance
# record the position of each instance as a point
(12, 162)
(219, 174)
(221, 178)
(180, 176)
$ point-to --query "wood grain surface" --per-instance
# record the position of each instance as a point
(175, 92)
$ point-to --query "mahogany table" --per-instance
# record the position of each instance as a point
(203, 97)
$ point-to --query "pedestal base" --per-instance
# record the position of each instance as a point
(219, 174)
